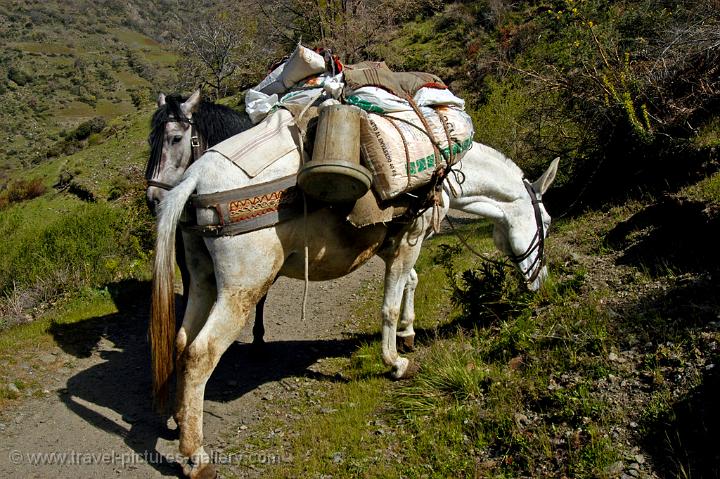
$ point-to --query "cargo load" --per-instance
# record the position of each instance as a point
(402, 155)
(411, 124)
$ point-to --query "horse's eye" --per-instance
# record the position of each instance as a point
(176, 139)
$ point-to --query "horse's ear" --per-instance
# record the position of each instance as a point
(161, 100)
(542, 184)
(191, 103)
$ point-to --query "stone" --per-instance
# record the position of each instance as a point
(11, 387)
(615, 468)
(47, 358)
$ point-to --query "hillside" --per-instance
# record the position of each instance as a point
(63, 63)
(609, 371)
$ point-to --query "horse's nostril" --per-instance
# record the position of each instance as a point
(153, 204)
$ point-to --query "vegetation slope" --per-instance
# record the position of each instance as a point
(610, 370)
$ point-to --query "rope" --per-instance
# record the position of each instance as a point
(470, 248)
(405, 144)
(307, 254)
(306, 249)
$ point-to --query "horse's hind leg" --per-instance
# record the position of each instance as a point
(182, 266)
(406, 332)
(226, 320)
(202, 293)
(241, 281)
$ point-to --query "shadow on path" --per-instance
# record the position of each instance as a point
(122, 383)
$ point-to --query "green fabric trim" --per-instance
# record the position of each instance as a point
(422, 164)
(364, 104)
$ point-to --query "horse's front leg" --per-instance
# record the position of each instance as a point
(406, 332)
(398, 272)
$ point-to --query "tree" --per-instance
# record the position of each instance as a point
(220, 46)
(355, 29)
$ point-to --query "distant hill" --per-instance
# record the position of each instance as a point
(66, 62)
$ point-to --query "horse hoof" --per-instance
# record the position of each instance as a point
(405, 344)
(204, 471)
(411, 370)
(400, 367)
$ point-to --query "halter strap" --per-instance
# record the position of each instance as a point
(538, 241)
(196, 150)
(159, 184)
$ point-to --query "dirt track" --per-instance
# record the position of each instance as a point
(92, 409)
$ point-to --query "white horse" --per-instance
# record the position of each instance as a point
(180, 132)
(231, 273)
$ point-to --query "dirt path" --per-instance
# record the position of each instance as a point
(90, 412)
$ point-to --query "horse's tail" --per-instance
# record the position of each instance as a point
(162, 318)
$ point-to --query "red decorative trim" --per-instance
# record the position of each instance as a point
(249, 208)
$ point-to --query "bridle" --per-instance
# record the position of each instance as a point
(195, 151)
(538, 242)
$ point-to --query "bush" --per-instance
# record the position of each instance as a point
(89, 245)
(19, 76)
(21, 190)
(87, 128)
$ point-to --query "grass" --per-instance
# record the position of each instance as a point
(89, 303)
(134, 39)
(130, 79)
(44, 48)
(57, 243)
(545, 384)
(706, 190)
(75, 71)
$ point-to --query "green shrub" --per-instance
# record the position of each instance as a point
(21, 190)
(87, 244)
(94, 139)
(87, 128)
(19, 76)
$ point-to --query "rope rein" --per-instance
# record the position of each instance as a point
(470, 248)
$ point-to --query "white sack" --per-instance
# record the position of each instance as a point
(376, 100)
(258, 104)
(383, 139)
(427, 96)
(272, 84)
(302, 63)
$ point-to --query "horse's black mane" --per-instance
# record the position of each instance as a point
(214, 123)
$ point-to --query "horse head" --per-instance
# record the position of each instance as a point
(524, 227)
(492, 186)
(181, 131)
(173, 143)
